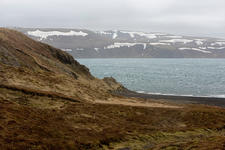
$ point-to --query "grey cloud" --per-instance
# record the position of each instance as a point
(192, 17)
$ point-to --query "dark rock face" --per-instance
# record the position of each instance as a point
(111, 82)
(127, 44)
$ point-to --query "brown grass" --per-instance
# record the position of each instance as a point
(40, 88)
(68, 125)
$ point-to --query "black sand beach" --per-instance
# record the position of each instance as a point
(213, 101)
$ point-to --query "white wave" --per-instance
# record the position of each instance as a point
(140, 91)
(161, 94)
(219, 96)
(155, 93)
(66, 49)
(188, 95)
(169, 94)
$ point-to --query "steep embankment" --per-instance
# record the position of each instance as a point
(27, 64)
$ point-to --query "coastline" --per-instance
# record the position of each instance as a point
(212, 101)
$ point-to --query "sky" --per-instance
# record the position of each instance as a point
(182, 17)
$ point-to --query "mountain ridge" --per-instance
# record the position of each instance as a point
(83, 43)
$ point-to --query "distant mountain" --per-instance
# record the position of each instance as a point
(127, 44)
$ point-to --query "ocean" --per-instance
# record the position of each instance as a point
(186, 77)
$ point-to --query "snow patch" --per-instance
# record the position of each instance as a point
(103, 32)
(160, 34)
(96, 49)
(203, 47)
(194, 49)
(199, 41)
(79, 49)
(147, 35)
(118, 45)
(218, 43)
(153, 44)
(173, 36)
(177, 41)
(144, 45)
(45, 34)
(115, 35)
(215, 48)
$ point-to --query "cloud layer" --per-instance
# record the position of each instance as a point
(192, 17)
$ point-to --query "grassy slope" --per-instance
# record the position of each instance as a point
(43, 122)
(34, 65)
(45, 103)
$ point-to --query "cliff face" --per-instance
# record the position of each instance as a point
(28, 64)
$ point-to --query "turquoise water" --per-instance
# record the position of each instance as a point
(191, 77)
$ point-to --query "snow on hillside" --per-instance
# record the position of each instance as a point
(173, 36)
(215, 48)
(103, 32)
(218, 44)
(96, 49)
(118, 45)
(153, 44)
(194, 49)
(115, 35)
(147, 35)
(45, 34)
(200, 41)
(185, 41)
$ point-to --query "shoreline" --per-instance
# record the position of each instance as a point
(213, 101)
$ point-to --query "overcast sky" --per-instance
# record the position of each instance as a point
(184, 17)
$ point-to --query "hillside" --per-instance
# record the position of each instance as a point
(127, 44)
(48, 101)
(23, 61)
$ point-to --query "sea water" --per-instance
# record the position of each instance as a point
(188, 77)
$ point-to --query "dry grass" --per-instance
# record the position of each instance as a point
(60, 124)
(48, 102)
(33, 65)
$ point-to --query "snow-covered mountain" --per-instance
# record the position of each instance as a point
(127, 44)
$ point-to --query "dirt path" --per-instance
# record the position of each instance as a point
(134, 102)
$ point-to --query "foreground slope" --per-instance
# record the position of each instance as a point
(49, 101)
(127, 44)
(27, 64)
